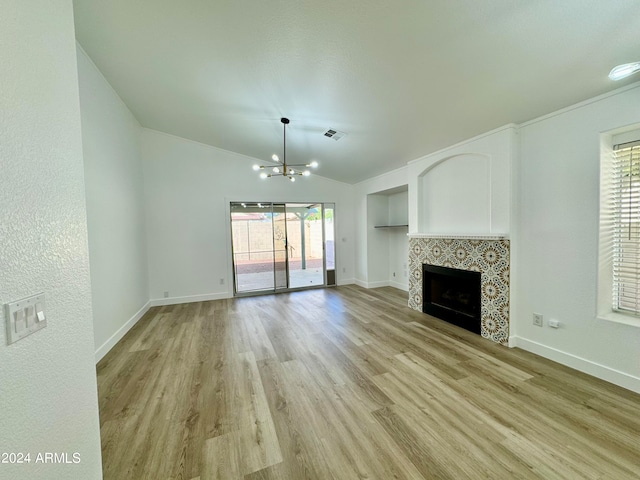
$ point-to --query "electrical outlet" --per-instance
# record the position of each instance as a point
(222, 281)
(166, 294)
(537, 319)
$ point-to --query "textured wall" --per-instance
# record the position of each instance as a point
(489, 257)
(115, 204)
(47, 380)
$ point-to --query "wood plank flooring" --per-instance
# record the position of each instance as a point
(346, 383)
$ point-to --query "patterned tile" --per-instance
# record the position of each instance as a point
(489, 257)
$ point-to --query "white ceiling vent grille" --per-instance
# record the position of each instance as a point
(334, 134)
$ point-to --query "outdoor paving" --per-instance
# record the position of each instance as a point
(252, 276)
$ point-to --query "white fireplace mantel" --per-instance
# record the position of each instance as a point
(459, 236)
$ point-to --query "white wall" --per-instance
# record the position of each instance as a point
(377, 241)
(48, 393)
(456, 196)
(466, 188)
(379, 252)
(557, 252)
(398, 242)
(115, 208)
(398, 208)
(188, 188)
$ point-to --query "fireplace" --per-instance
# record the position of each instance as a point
(452, 295)
(488, 254)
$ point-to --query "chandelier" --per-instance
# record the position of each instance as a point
(282, 168)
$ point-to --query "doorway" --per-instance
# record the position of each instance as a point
(282, 246)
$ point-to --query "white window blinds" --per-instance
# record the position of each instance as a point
(626, 234)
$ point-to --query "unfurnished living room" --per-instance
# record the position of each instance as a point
(320, 240)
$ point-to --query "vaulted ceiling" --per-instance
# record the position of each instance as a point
(401, 78)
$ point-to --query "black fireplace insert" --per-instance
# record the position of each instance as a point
(452, 295)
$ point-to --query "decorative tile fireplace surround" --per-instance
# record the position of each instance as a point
(488, 255)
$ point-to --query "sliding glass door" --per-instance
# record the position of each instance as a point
(329, 243)
(278, 246)
(281, 268)
(254, 252)
(306, 247)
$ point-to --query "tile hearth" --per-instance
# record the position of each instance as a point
(489, 257)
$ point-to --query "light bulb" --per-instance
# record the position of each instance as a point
(275, 158)
(256, 167)
(263, 175)
(292, 179)
(276, 170)
(313, 164)
(623, 71)
(291, 171)
(306, 173)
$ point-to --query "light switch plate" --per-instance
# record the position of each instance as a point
(24, 317)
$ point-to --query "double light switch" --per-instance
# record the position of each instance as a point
(25, 317)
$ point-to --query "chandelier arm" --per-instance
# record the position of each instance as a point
(288, 170)
(275, 164)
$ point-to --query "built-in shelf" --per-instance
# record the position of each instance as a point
(391, 226)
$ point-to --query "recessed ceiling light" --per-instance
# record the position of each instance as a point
(623, 71)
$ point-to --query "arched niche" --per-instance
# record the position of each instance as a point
(454, 195)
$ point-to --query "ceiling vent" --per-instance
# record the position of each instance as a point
(334, 134)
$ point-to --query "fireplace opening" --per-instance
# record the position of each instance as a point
(452, 295)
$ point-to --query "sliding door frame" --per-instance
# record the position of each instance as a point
(275, 289)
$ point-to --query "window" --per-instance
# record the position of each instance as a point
(625, 198)
(618, 292)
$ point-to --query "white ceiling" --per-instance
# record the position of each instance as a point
(402, 78)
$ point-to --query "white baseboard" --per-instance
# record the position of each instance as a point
(608, 374)
(377, 284)
(159, 302)
(363, 284)
(122, 331)
(399, 286)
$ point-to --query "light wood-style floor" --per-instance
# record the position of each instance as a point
(348, 383)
